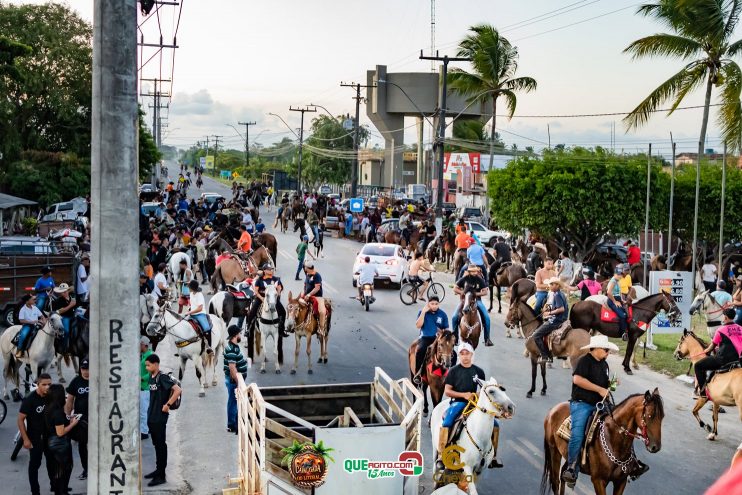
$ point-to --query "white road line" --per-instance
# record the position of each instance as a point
(329, 287)
(391, 337)
(536, 452)
(285, 254)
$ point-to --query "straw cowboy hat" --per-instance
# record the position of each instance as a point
(600, 342)
(553, 280)
(61, 288)
(540, 246)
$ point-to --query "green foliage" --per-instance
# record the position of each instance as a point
(30, 226)
(328, 153)
(148, 152)
(48, 177)
(9, 52)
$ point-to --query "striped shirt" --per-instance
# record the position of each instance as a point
(233, 354)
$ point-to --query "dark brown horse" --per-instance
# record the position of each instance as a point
(505, 276)
(269, 242)
(613, 439)
(439, 353)
(470, 325)
(521, 290)
(586, 314)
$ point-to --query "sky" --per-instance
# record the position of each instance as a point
(239, 60)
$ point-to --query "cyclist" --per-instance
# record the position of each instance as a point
(420, 263)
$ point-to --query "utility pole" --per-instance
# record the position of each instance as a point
(356, 137)
(157, 105)
(672, 200)
(646, 214)
(216, 151)
(301, 141)
(695, 216)
(113, 448)
(247, 141)
(442, 120)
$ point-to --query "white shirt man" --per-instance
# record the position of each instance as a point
(30, 314)
(246, 218)
(310, 202)
(404, 220)
(82, 281)
(366, 273)
(196, 300)
(708, 272)
(160, 280)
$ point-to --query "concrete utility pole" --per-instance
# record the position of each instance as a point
(216, 151)
(157, 95)
(301, 141)
(646, 213)
(439, 142)
(113, 448)
(356, 137)
(695, 214)
(247, 141)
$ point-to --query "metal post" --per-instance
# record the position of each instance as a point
(695, 215)
(721, 215)
(301, 142)
(113, 455)
(441, 137)
(356, 145)
(672, 198)
(646, 214)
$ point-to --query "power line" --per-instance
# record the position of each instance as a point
(573, 116)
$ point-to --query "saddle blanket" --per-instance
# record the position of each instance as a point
(565, 429)
(437, 371)
(555, 337)
(609, 316)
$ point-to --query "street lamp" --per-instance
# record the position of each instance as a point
(284, 123)
(323, 108)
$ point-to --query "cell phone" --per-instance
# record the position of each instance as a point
(77, 416)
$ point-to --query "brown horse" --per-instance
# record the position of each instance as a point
(470, 324)
(725, 389)
(269, 242)
(610, 455)
(505, 276)
(232, 270)
(286, 214)
(439, 353)
(300, 320)
(586, 314)
(521, 290)
(569, 346)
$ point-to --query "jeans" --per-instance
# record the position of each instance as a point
(143, 407)
(482, 312)
(202, 266)
(738, 318)
(231, 403)
(543, 331)
(23, 334)
(580, 412)
(621, 313)
(299, 268)
(454, 411)
(541, 296)
(41, 298)
(422, 346)
(38, 451)
(203, 321)
(315, 231)
(66, 323)
(158, 432)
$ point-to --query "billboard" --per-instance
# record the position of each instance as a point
(209, 162)
(680, 286)
(455, 161)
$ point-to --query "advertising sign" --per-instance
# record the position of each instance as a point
(455, 161)
(680, 286)
(202, 162)
(209, 161)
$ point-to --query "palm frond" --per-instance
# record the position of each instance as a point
(729, 119)
(695, 76)
(734, 49)
(467, 84)
(732, 14)
(663, 44)
(511, 101)
(523, 83)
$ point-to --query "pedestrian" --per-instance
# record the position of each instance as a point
(81, 282)
(301, 251)
(77, 403)
(234, 363)
(708, 274)
(31, 427)
(163, 392)
(161, 288)
(58, 441)
(566, 268)
(144, 352)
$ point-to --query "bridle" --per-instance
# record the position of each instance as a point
(604, 442)
(671, 314)
(472, 405)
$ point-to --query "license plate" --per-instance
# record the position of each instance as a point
(367, 292)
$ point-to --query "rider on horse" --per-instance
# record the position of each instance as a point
(197, 312)
(615, 302)
(728, 344)
(542, 288)
(502, 254)
(430, 320)
(460, 388)
(404, 225)
(260, 283)
(63, 304)
(472, 281)
(312, 293)
(553, 318)
(30, 316)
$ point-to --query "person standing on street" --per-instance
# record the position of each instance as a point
(31, 427)
(144, 352)
(81, 282)
(708, 275)
(163, 392)
(301, 252)
(566, 268)
(59, 429)
(77, 402)
(234, 363)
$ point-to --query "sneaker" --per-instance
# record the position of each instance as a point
(488, 343)
(231, 429)
(160, 480)
(494, 463)
(151, 475)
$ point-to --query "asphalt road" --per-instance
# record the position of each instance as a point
(203, 455)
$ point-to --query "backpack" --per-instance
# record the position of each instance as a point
(176, 404)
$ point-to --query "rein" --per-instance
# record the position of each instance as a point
(471, 406)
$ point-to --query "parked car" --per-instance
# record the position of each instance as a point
(68, 210)
(388, 259)
(486, 236)
(324, 189)
(470, 214)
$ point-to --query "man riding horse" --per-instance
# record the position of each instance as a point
(260, 283)
(553, 317)
(474, 282)
(728, 345)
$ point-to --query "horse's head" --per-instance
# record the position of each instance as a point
(667, 303)
(271, 296)
(470, 300)
(147, 307)
(514, 315)
(444, 344)
(492, 398)
(156, 325)
(686, 342)
(56, 324)
(649, 418)
(699, 302)
(292, 311)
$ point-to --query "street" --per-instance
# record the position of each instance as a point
(203, 454)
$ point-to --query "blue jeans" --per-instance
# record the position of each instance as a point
(203, 321)
(231, 403)
(299, 267)
(454, 410)
(41, 298)
(23, 335)
(315, 232)
(66, 323)
(621, 313)
(738, 318)
(482, 312)
(580, 412)
(541, 296)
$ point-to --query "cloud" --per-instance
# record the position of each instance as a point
(198, 103)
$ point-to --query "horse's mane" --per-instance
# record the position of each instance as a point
(524, 303)
(654, 399)
(698, 339)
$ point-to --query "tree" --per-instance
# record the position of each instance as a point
(9, 52)
(328, 152)
(149, 155)
(577, 196)
(49, 177)
(495, 62)
(701, 36)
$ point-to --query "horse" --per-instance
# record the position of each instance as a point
(39, 356)
(586, 314)
(505, 276)
(166, 322)
(147, 308)
(269, 242)
(268, 327)
(301, 321)
(724, 389)
(569, 346)
(286, 214)
(491, 403)
(470, 324)
(79, 345)
(231, 271)
(712, 310)
(522, 289)
(610, 459)
(439, 355)
(173, 264)
(226, 306)
(448, 246)
(459, 258)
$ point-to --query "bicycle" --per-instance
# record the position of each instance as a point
(3, 411)
(408, 291)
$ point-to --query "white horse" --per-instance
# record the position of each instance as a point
(173, 264)
(166, 323)
(147, 308)
(712, 310)
(476, 440)
(39, 356)
(268, 327)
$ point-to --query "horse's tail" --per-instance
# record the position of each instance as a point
(11, 368)
(257, 341)
(280, 349)
(546, 475)
(216, 279)
(67, 359)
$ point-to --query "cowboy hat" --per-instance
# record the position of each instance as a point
(61, 288)
(600, 342)
(539, 245)
(553, 280)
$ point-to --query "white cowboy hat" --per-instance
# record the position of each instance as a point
(464, 346)
(62, 288)
(600, 342)
(553, 280)
(539, 245)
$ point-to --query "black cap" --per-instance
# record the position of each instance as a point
(84, 364)
(266, 266)
(233, 330)
(46, 270)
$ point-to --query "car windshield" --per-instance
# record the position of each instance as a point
(378, 250)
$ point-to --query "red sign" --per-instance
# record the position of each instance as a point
(455, 161)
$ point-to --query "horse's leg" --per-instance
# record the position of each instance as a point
(715, 415)
(276, 341)
(469, 473)
(619, 486)
(629, 351)
(309, 355)
(60, 358)
(198, 364)
(533, 378)
(699, 404)
(499, 300)
(543, 378)
(600, 486)
(297, 339)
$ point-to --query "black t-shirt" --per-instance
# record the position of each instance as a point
(57, 418)
(462, 379)
(474, 282)
(33, 407)
(79, 388)
(263, 281)
(429, 231)
(159, 393)
(503, 251)
(59, 303)
(595, 372)
(311, 282)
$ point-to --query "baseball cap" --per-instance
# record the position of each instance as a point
(84, 364)
(233, 330)
(465, 346)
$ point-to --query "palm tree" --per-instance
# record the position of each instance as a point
(495, 62)
(701, 32)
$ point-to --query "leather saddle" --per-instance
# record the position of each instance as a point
(555, 337)
(241, 291)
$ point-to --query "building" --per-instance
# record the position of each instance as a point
(373, 166)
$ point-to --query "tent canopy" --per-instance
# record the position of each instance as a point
(7, 201)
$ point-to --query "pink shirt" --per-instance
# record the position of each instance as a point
(592, 286)
(733, 332)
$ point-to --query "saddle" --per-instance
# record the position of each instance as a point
(29, 340)
(555, 338)
(607, 315)
(503, 266)
(240, 292)
(440, 371)
(565, 430)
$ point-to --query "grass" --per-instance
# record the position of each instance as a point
(661, 360)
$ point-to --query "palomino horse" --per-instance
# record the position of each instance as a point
(476, 440)
(712, 310)
(167, 323)
(232, 270)
(505, 276)
(611, 456)
(724, 389)
(268, 320)
(40, 353)
(439, 354)
(470, 324)
(586, 314)
(569, 346)
(301, 320)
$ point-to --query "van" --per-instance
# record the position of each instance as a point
(416, 192)
(68, 210)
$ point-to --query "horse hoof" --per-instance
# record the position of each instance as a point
(711, 437)
(509, 335)
(543, 392)
(628, 371)
(529, 395)
(262, 372)
(202, 394)
(324, 361)
(310, 372)
(319, 361)
(708, 428)
(278, 372)
(213, 384)
(293, 372)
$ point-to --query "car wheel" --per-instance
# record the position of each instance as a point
(7, 317)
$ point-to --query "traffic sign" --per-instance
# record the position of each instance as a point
(356, 205)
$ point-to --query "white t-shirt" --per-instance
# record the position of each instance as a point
(708, 272)
(159, 279)
(567, 267)
(29, 314)
(366, 274)
(82, 287)
(246, 217)
(197, 299)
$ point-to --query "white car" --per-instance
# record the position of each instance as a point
(389, 260)
(210, 197)
(486, 236)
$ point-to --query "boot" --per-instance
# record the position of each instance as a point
(488, 343)
(569, 475)
(442, 443)
(494, 463)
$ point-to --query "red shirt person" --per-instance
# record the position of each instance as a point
(634, 254)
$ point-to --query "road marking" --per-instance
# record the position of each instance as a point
(391, 337)
(536, 452)
(329, 287)
(285, 254)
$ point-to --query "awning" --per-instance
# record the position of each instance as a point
(7, 201)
